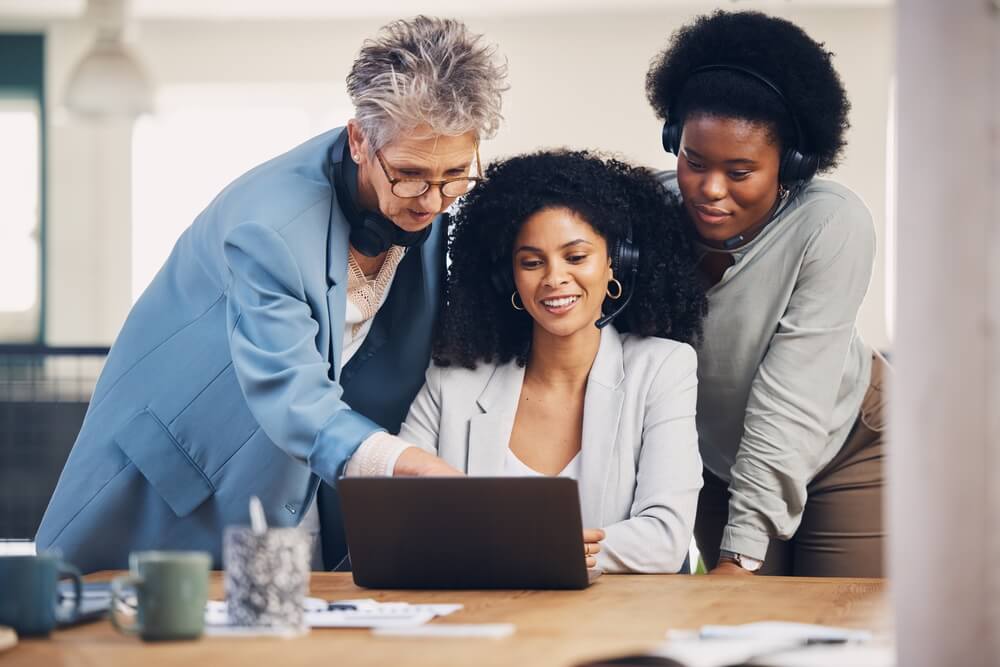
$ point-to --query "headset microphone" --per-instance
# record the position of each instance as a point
(606, 319)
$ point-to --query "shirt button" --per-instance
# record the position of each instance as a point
(290, 508)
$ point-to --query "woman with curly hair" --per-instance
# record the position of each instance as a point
(524, 384)
(790, 398)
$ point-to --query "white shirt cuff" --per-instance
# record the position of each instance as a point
(377, 456)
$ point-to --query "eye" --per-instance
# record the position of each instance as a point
(696, 166)
(739, 175)
(530, 263)
(576, 259)
(409, 173)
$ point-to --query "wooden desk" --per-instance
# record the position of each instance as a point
(617, 614)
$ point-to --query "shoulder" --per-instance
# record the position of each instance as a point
(832, 218)
(463, 381)
(824, 199)
(668, 179)
(650, 356)
(288, 188)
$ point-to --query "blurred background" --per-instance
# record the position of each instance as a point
(119, 121)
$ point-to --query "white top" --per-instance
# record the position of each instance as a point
(515, 467)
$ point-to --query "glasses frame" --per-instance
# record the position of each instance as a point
(475, 180)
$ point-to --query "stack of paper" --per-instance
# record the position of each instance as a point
(775, 643)
(365, 613)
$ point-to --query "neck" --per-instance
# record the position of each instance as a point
(369, 265)
(563, 361)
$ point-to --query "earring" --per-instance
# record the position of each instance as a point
(513, 302)
(355, 156)
(782, 192)
(618, 295)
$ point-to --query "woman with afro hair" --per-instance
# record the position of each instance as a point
(790, 397)
(524, 382)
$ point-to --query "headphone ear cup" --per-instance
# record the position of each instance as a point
(796, 167)
(624, 258)
(671, 138)
(372, 237)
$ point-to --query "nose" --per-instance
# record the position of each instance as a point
(713, 186)
(432, 200)
(555, 275)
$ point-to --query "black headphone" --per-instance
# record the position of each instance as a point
(371, 232)
(796, 167)
(624, 261)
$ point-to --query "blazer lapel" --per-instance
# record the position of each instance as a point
(489, 432)
(602, 408)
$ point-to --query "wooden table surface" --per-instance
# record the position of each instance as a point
(617, 614)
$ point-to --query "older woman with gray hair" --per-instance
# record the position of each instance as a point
(290, 328)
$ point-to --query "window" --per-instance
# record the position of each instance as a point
(22, 203)
(200, 139)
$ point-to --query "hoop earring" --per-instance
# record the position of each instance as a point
(619, 294)
(513, 296)
(782, 192)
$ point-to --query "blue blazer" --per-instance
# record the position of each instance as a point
(223, 382)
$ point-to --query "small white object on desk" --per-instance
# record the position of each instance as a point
(362, 613)
(452, 630)
(765, 643)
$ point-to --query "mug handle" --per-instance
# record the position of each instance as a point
(118, 584)
(67, 571)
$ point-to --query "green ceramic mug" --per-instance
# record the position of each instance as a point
(171, 588)
(28, 593)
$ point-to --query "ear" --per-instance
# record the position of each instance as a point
(356, 139)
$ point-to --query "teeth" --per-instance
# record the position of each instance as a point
(559, 303)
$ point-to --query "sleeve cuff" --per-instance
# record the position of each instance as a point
(376, 457)
(337, 441)
(746, 542)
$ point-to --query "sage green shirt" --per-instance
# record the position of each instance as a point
(782, 369)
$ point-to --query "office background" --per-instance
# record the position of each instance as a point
(236, 83)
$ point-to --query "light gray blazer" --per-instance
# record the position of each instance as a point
(641, 470)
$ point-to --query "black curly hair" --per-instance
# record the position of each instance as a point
(478, 323)
(779, 50)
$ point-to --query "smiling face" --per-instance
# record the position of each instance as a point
(728, 175)
(417, 154)
(561, 271)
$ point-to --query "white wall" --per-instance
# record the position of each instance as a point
(575, 80)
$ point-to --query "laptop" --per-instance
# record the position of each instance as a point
(464, 532)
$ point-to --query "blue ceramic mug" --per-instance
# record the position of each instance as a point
(29, 596)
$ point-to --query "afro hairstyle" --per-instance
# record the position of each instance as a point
(777, 49)
(478, 323)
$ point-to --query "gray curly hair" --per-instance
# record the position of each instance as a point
(426, 70)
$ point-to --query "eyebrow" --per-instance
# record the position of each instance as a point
(403, 166)
(739, 160)
(531, 248)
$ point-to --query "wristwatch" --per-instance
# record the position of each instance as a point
(747, 563)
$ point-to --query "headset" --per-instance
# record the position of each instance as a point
(624, 261)
(797, 167)
(371, 232)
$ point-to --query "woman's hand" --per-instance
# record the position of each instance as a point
(591, 545)
(729, 567)
(415, 462)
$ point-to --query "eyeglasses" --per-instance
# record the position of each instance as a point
(409, 188)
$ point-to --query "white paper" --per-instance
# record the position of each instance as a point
(802, 632)
(452, 630)
(367, 613)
